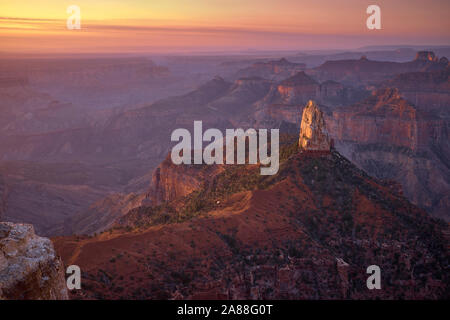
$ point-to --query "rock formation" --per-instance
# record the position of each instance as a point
(29, 266)
(313, 132)
(426, 56)
(170, 181)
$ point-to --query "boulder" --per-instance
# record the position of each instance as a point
(29, 266)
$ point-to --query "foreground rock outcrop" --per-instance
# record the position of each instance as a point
(29, 266)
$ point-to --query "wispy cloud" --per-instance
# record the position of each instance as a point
(26, 19)
(140, 26)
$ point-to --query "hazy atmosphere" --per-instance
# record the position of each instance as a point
(120, 124)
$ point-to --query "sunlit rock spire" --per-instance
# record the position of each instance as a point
(313, 133)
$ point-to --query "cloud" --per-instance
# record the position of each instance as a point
(17, 23)
(134, 35)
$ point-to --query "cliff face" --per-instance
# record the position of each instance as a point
(313, 132)
(387, 118)
(29, 266)
(391, 138)
(429, 91)
(170, 181)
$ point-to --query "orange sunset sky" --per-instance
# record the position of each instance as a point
(39, 26)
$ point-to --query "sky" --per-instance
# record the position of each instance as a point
(135, 26)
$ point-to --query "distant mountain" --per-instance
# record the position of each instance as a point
(369, 72)
(315, 59)
(273, 70)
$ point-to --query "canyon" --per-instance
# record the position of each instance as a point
(118, 149)
(363, 177)
(308, 232)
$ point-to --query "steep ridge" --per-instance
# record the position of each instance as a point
(308, 232)
(29, 266)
